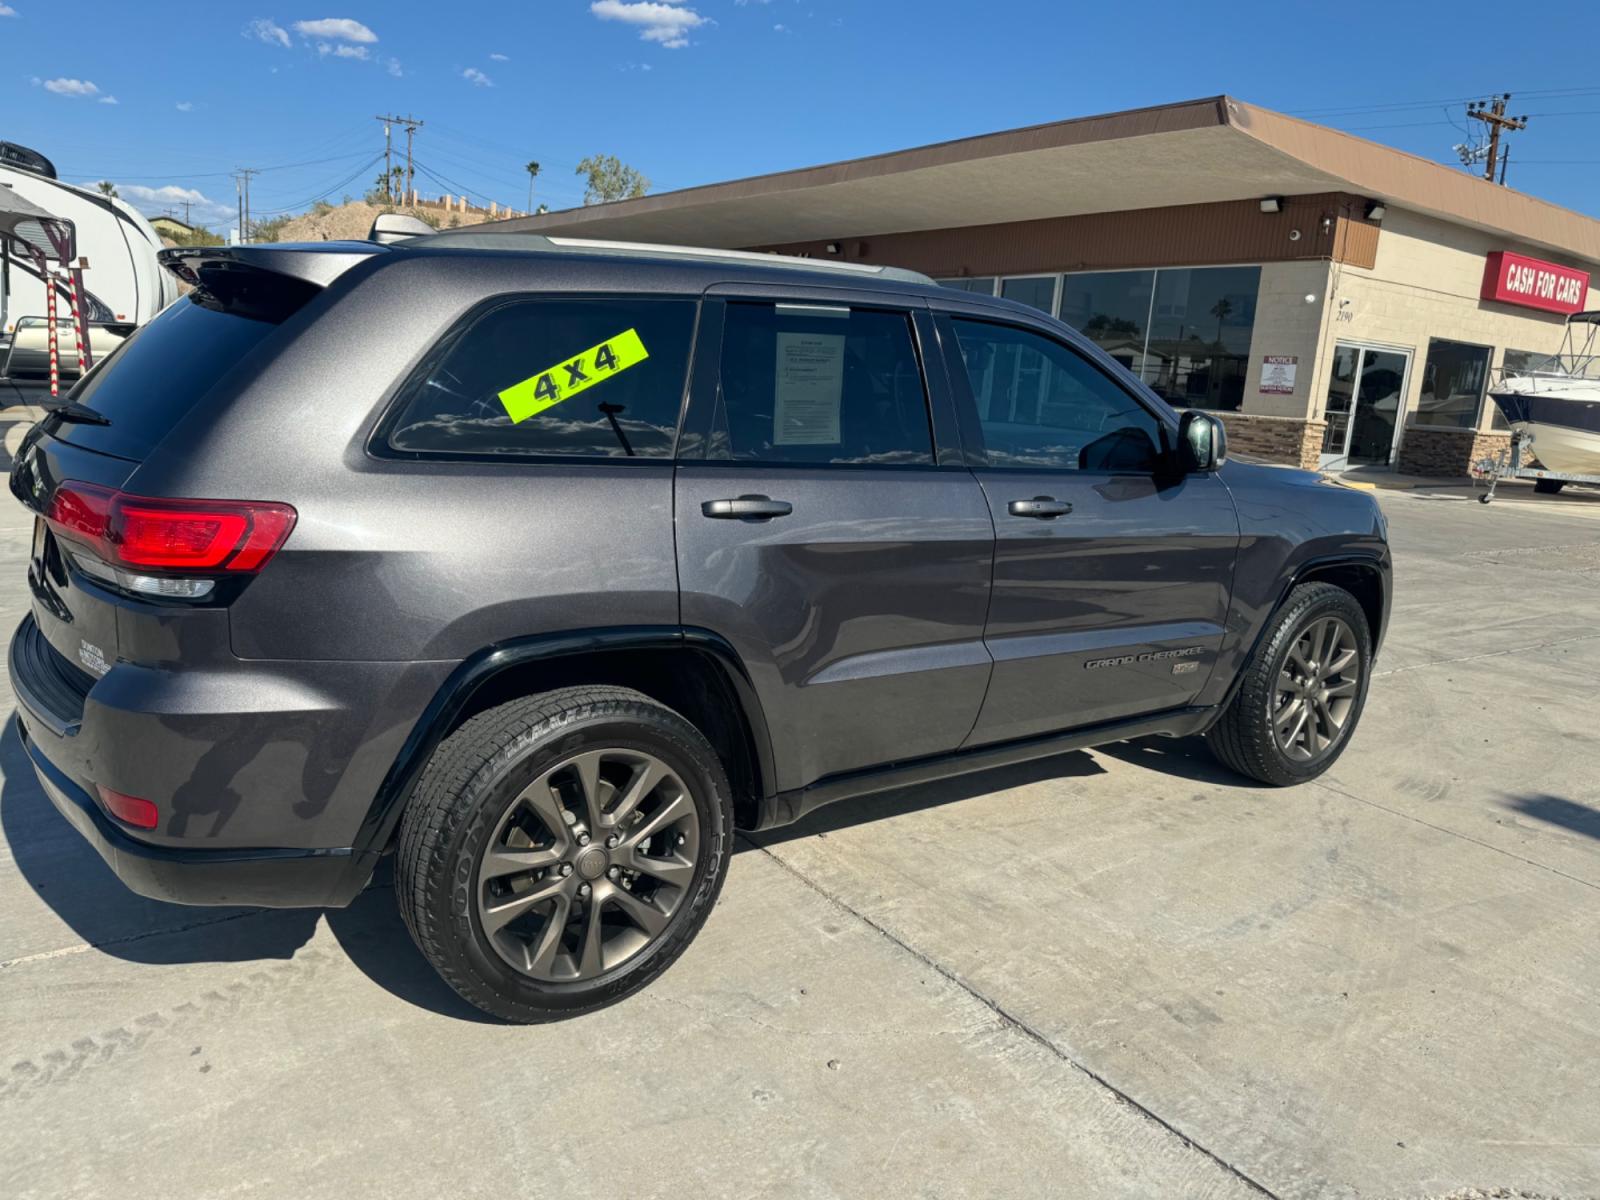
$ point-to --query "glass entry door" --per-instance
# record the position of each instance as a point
(1366, 392)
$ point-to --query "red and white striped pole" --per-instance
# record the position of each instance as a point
(50, 326)
(77, 324)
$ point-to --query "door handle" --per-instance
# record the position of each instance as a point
(1044, 508)
(746, 508)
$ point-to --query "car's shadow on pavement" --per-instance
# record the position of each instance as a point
(1185, 758)
(67, 874)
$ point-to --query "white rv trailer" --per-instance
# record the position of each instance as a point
(124, 284)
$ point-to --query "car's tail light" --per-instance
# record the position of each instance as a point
(131, 810)
(184, 537)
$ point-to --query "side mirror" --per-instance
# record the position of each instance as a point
(1202, 442)
(396, 227)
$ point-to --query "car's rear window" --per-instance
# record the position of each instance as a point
(153, 379)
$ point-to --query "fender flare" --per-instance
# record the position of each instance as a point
(456, 692)
(1378, 564)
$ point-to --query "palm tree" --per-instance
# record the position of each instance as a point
(533, 170)
(107, 188)
(1221, 310)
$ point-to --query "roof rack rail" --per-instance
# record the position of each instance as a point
(536, 242)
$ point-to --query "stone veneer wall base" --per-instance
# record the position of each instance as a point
(1293, 441)
(1448, 453)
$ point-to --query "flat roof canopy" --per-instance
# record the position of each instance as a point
(1190, 153)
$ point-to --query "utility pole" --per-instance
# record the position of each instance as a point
(187, 204)
(243, 181)
(1493, 114)
(388, 156)
(411, 125)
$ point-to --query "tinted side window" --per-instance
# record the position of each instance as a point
(592, 378)
(1042, 405)
(807, 383)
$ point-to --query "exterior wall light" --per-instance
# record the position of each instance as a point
(1376, 209)
(1271, 204)
(833, 247)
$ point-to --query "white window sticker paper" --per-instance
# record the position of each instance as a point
(809, 388)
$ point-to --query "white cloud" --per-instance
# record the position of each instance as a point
(666, 23)
(340, 28)
(71, 87)
(158, 200)
(781, 29)
(185, 106)
(498, 58)
(267, 31)
(341, 50)
(393, 67)
(109, 100)
(476, 77)
(7, 11)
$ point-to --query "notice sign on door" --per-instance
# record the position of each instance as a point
(1277, 374)
(810, 386)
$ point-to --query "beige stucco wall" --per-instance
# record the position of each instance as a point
(1425, 284)
(1287, 325)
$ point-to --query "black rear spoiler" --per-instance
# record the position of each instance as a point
(314, 263)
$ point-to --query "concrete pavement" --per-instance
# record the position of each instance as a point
(1119, 973)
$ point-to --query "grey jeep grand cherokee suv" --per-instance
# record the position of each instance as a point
(548, 565)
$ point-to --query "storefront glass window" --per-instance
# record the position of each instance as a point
(1111, 309)
(1038, 291)
(983, 284)
(1200, 330)
(1453, 380)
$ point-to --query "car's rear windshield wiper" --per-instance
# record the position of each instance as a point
(78, 414)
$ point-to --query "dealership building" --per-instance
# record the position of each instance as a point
(1337, 302)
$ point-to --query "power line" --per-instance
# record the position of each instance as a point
(310, 162)
(1401, 106)
(326, 192)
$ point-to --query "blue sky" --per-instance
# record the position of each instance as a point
(167, 100)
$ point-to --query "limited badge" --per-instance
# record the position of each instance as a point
(573, 375)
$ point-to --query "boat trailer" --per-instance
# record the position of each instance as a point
(1508, 464)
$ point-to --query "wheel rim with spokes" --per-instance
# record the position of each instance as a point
(588, 864)
(1317, 689)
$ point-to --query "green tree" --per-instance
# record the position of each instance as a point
(609, 178)
(200, 237)
(533, 173)
(387, 186)
(107, 188)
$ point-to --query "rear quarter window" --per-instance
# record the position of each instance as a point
(547, 376)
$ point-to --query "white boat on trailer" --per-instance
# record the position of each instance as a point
(1553, 409)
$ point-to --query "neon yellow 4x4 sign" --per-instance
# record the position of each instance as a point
(577, 374)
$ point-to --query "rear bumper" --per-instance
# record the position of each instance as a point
(268, 878)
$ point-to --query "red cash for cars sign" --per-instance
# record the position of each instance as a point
(1533, 283)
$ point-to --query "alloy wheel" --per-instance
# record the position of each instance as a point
(1317, 690)
(587, 865)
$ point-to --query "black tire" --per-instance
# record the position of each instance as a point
(1548, 487)
(1242, 738)
(463, 800)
